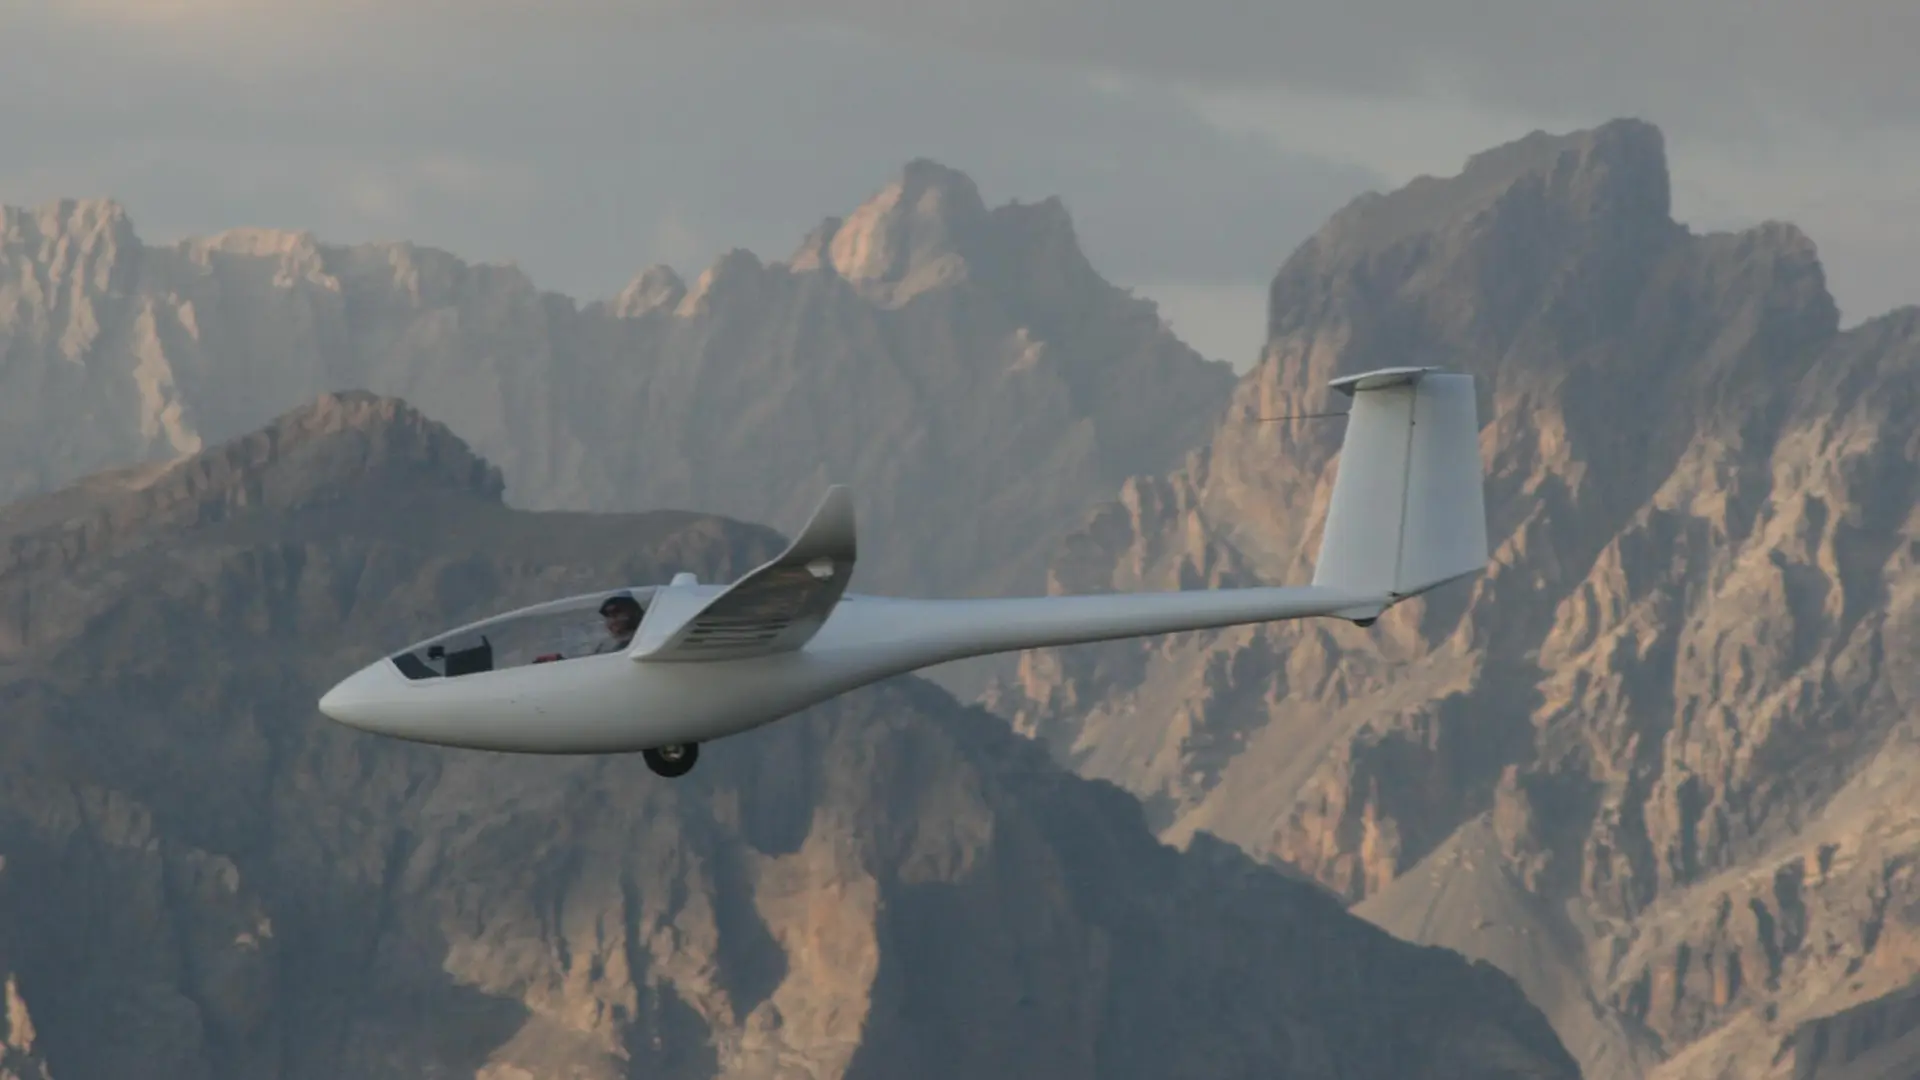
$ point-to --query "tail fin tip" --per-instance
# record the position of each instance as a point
(1408, 512)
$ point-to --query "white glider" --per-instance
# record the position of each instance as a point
(686, 663)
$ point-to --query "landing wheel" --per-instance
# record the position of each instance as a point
(674, 759)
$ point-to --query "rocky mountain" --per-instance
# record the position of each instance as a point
(1658, 763)
(965, 368)
(1877, 1040)
(18, 1059)
(203, 879)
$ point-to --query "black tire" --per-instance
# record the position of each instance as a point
(672, 760)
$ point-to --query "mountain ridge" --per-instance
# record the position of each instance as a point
(1696, 484)
(742, 393)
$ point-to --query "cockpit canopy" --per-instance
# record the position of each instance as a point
(590, 624)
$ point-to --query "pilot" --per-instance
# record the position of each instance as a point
(622, 615)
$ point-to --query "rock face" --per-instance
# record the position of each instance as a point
(889, 885)
(18, 1057)
(1658, 762)
(1879, 1040)
(964, 368)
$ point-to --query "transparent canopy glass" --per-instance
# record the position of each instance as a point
(591, 624)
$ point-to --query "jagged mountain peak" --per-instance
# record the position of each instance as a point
(931, 193)
(66, 216)
(349, 440)
(84, 245)
(732, 278)
(1580, 212)
(933, 189)
(913, 235)
(655, 288)
(256, 240)
(349, 456)
(929, 229)
(340, 438)
(1616, 171)
(815, 250)
(1544, 246)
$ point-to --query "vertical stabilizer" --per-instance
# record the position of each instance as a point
(1408, 511)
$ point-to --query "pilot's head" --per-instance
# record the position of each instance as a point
(622, 614)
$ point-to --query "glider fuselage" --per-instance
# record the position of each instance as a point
(612, 703)
(684, 663)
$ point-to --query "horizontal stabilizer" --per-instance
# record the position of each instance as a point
(776, 608)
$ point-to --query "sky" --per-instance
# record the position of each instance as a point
(1195, 144)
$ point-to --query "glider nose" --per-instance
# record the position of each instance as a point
(355, 702)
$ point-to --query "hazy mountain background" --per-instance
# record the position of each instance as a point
(1196, 143)
(1653, 765)
(202, 878)
(1657, 763)
(964, 368)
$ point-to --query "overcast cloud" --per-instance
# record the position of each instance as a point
(1195, 143)
(1841, 62)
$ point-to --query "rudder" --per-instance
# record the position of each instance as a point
(1408, 511)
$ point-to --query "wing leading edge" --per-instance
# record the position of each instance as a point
(776, 608)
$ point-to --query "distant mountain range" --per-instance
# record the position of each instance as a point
(965, 369)
(1655, 765)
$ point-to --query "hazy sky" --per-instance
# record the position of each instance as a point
(1195, 143)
